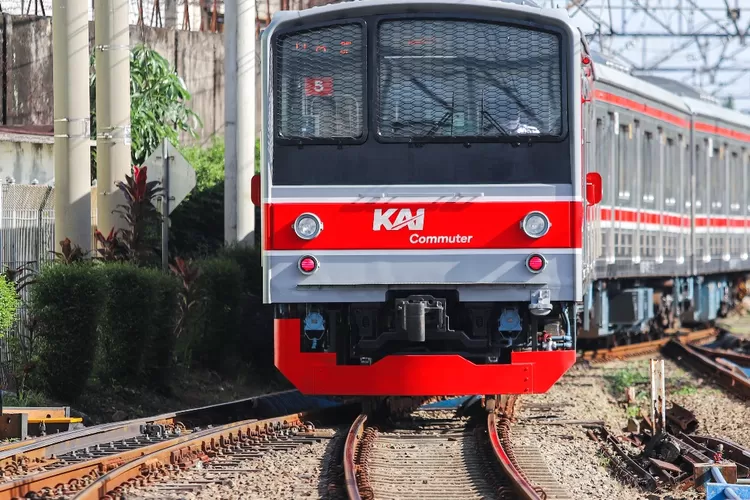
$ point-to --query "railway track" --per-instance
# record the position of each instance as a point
(720, 365)
(62, 465)
(644, 348)
(439, 456)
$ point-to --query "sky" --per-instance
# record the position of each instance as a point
(719, 65)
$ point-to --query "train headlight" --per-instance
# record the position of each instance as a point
(535, 224)
(308, 226)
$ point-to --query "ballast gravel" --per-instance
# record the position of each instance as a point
(589, 394)
(277, 475)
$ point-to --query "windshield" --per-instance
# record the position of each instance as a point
(321, 83)
(441, 78)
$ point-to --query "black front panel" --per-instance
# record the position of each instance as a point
(377, 163)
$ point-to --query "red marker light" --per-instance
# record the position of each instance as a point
(308, 264)
(535, 263)
(586, 60)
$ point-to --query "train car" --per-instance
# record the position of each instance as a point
(424, 196)
(671, 233)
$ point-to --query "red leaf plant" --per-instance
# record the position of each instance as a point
(139, 211)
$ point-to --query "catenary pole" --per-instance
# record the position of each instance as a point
(112, 49)
(245, 120)
(72, 118)
(230, 121)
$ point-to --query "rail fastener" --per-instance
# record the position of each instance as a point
(201, 446)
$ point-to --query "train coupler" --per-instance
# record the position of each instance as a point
(416, 312)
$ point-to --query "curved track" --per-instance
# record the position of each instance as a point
(644, 348)
(434, 457)
(65, 463)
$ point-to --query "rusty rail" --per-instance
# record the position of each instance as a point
(643, 348)
(522, 487)
(350, 456)
(198, 447)
(688, 355)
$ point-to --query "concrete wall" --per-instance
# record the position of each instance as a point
(27, 75)
(26, 157)
(150, 17)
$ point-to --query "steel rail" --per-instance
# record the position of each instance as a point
(350, 456)
(524, 489)
(685, 354)
(36, 450)
(642, 348)
(189, 450)
(71, 475)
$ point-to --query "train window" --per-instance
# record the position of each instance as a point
(603, 143)
(717, 175)
(700, 179)
(649, 170)
(625, 177)
(320, 83)
(671, 176)
(446, 78)
(736, 183)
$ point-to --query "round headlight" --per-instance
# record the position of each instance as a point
(308, 226)
(535, 224)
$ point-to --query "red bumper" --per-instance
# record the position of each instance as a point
(410, 375)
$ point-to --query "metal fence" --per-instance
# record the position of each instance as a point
(27, 240)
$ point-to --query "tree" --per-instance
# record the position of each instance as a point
(158, 103)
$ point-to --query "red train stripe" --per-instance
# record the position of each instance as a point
(716, 130)
(431, 225)
(632, 215)
(647, 110)
(639, 107)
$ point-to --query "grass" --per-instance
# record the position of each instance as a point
(633, 411)
(624, 378)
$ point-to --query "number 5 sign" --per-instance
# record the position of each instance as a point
(319, 86)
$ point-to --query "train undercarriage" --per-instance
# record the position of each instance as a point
(424, 344)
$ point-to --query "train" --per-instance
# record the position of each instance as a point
(454, 196)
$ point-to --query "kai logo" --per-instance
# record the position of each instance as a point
(403, 218)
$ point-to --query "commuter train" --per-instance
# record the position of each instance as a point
(453, 193)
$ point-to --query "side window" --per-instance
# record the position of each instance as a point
(649, 169)
(625, 177)
(671, 176)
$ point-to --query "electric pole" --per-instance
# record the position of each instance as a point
(230, 121)
(245, 120)
(112, 46)
(72, 122)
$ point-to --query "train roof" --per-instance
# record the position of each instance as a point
(520, 6)
(618, 78)
(672, 93)
(711, 110)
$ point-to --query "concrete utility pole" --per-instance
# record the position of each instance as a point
(70, 76)
(230, 121)
(112, 46)
(170, 13)
(245, 119)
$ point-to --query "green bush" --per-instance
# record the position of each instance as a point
(257, 339)
(129, 322)
(217, 323)
(8, 304)
(161, 346)
(65, 301)
(198, 222)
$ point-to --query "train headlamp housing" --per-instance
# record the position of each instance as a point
(535, 224)
(307, 226)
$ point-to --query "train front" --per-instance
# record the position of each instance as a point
(421, 197)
